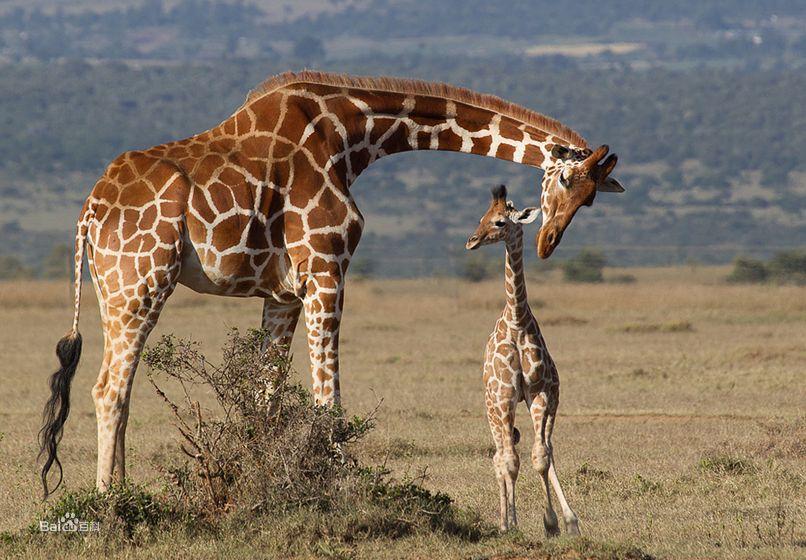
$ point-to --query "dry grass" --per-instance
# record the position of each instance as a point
(652, 425)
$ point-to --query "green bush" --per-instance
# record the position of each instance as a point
(789, 267)
(58, 263)
(11, 268)
(363, 268)
(586, 266)
(748, 271)
(786, 267)
(270, 453)
(475, 268)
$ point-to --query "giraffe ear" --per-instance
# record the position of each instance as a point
(526, 216)
(610, 185)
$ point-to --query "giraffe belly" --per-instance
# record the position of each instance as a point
(240, 275)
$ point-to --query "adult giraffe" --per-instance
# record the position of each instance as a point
(260, 206)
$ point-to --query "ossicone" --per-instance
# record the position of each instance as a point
(499, 192)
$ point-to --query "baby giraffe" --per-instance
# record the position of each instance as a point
(517, 367)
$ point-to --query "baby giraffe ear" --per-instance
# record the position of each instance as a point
(526, 216)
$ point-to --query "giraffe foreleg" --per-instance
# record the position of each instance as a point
(506, 462)
(323, 302)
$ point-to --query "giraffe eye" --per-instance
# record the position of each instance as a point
(565, 183)
(499, 223)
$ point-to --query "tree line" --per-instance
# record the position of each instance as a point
(689, 141)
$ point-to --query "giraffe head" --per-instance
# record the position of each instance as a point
(500, 220)
(571, 181)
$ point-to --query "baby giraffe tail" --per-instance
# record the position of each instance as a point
(68, 350)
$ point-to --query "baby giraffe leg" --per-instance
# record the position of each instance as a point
(569, 517)
(541, 460)
(501, 417)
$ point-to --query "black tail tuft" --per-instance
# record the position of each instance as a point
(57, 408)
(516, 436)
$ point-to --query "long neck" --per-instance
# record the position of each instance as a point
(514, 281)
(355, 127)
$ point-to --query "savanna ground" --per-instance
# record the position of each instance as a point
(681, 428)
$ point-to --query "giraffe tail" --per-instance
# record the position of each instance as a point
(68, 350)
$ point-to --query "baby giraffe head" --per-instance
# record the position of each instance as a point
(500, 221)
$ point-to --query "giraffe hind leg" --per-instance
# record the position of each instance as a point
(134, 248)
(132, 291)
(279, 322)
(570, 519)
(541, 460)
(127, 329)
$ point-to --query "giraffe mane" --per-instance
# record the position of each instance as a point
(420, 87)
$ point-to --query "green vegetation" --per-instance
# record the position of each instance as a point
(477, 267)
(11, 268)
(669, 327)
(748, 271)
(124, 510)
(786, 267)
(789, 267)
(586, 266)
(720, 463)
(58, 263)
(270, 452)
(57, 117)
(363, 268)
(205, 29)
(60, 128)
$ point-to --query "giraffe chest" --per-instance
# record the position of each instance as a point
(517, 354)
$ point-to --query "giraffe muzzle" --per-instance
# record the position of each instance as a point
(547, 240)
(473, 242)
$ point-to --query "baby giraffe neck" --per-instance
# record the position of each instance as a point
(513, 274)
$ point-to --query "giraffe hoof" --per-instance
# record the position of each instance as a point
(572, 527)
(550, 524)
